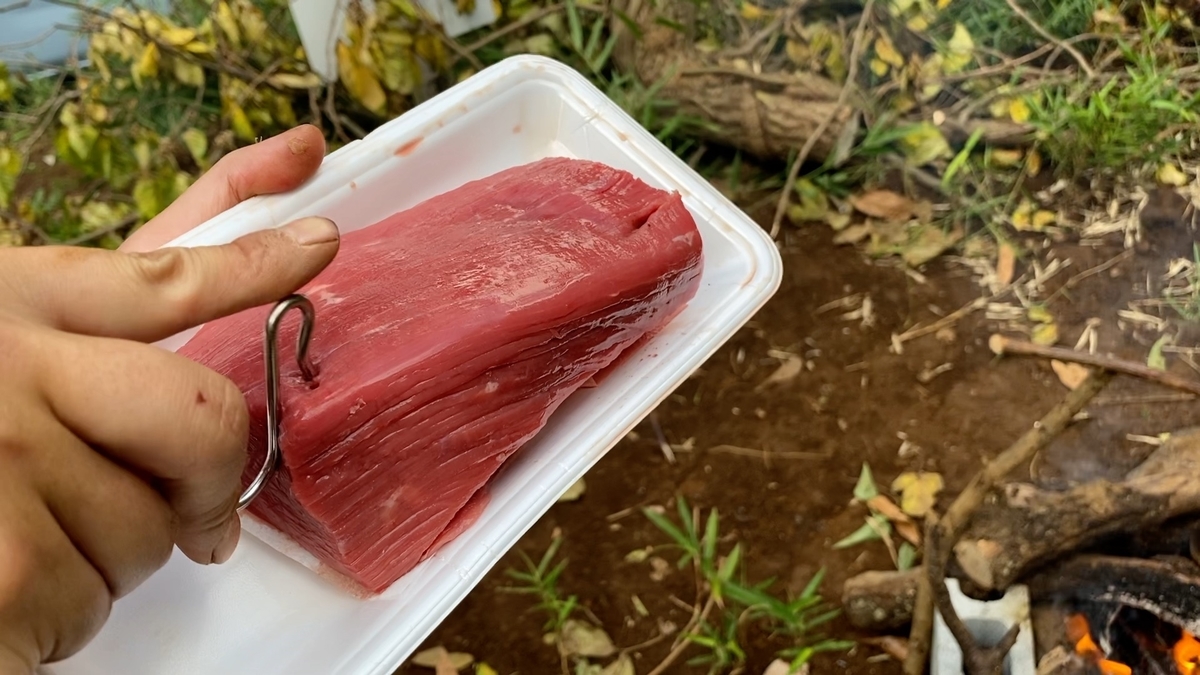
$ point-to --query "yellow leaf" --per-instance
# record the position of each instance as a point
(178, 37)
(145, 197)
(294, 81)
(1018, 110)
(1005, 158)
(254, 26)
(879, 67)
(1028, 218)
(918, 491)
(798, 52)
(961, 49)
(146, 66)
(1169, 174)
(95, 215)
(887, 53)
(1040, 314)
(188, 73)
(1033, 164)
(141, 152)
(943, 4)
(918, 24)
(239, 121)
(752, 12)
(1045, 334)
(82, 138)
(197, 145)
(924, 144)
(1006, 262)
(228, 23)
(483, 668)
(1000, 107)
(360, 81)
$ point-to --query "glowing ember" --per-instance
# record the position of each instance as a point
(1080, 633)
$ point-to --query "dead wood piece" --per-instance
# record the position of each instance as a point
(767, 115)
(1005, 345)
(1026, 526)
(881, 601)
(1166, 588)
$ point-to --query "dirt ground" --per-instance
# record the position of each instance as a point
(859, 402)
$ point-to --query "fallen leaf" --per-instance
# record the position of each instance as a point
(884, 204)
(1040, 314)
(886, 51)
(886, 507)
(918, 491)
(853, 234)
(574, 492)
(906, 557)
(961, 48)
(1045, 334)
(441, 661)
(1070, 374)
(484, 669)
(622, 666)
(1169, 174)
(930, 242)
(910, 532)
(580, 638)
(1156, 359)
(1004, 158)
(1033, 163)
(786, 372)
(925, 143)
(751, 11)
(1006, 261)
(865, 489)
(879, 67)
(875, 528)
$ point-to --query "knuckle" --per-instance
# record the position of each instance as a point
(231, 424)
(173, 273)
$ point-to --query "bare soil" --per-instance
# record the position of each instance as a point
(858, 403)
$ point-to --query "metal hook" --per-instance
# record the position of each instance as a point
(271, 357)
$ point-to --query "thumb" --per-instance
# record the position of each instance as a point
(153, 295)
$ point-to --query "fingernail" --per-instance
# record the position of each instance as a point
(224, 550)
(312, 231)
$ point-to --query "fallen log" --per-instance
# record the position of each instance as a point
(1024, 527)
(881, 601)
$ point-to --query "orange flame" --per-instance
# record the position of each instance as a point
(1186, 653)
(1079, 632)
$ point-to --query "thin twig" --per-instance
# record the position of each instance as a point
(1000, 345)
(1090, 272)
(530, 18)
(958, 516)
(663, 445)
(26, 226)
(684, 644)
(851, 76)
(944, 322)
(1083, 62)
(97, 234)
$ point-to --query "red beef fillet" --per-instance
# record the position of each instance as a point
(446, 335)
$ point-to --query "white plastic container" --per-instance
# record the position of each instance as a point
(264, 613)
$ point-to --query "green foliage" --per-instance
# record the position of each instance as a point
(997, 27)
(541, 580)
(1131, 118)
(742, 602)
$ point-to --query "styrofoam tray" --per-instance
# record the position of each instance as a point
(264, 613)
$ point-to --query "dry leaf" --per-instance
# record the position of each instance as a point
(583, 639)
(1003, 158)
(485, 669)
(918, 491)
(910, 532)
(1018, 110)
(884, 505)
(884, 204)
(853, 234)
(442, 661)
(622, 666)
(1006, 262)
(886, 51)
(1070, 374)
(786, 372)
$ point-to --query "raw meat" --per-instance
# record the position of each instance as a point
(446, 336)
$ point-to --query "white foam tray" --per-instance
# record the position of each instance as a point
(263, 613)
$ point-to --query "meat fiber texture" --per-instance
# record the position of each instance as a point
(446, 335)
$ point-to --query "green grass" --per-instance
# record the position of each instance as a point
(994, 25)
(741, 603)
(540, 580)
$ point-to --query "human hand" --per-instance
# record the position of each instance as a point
(112, 451)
